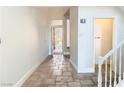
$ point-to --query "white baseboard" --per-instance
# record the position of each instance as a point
(27, 75)
(75, 67)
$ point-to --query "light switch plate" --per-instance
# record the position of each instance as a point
(82, 20)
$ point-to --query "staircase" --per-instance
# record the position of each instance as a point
(110, 72)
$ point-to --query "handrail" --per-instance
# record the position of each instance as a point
(104, 59)
(111, 51)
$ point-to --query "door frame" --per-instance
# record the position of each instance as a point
(53, 31)
(114, 34)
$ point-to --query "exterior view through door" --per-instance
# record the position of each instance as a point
(58, 40)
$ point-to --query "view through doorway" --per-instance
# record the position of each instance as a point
(103, 37)
(58, 40)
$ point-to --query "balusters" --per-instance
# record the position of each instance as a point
(99, 73)
(120, 65)
(110, 81)
(106, 64)
(115, 61)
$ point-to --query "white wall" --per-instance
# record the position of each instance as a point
(85, 33)
(74, 36)
(23, 31)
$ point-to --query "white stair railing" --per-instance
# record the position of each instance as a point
(110, 78)
(113, 58)
(100, 73)
(106, 79)
(120, 66)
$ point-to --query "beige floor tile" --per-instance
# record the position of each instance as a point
(34, 84)
(58, 72)
(34, 78)
(87, 82)
(67, 73)
(61, 85)
(74, 84)
(70, 79)
(50, 81)
(59, 78)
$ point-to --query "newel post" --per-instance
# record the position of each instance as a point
(100, 72)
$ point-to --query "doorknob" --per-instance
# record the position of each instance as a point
(98, 37)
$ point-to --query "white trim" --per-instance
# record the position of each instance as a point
(27, 75)
(75, 67)
(85, 70)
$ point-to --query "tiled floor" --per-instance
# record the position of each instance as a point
(58, 72)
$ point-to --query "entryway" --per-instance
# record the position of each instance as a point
(58, 40)
(56, 37)
(103, 36)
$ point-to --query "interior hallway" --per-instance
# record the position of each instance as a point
(58, 72)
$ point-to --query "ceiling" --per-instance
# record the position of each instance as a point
(57, 13)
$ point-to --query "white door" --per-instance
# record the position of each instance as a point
(103, 37)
